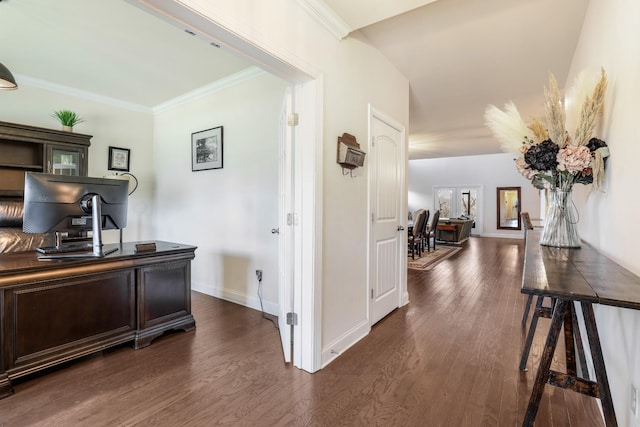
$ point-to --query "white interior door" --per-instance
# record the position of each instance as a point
(285, 232)
(388, 237)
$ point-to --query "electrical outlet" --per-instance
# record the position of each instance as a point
(259, 274)
(634, 400)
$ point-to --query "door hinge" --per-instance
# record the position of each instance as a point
(292, 119)
(292, 319)
(371, 293)
(292, 219)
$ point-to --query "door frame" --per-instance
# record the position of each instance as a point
(403, 294)
(308, 166)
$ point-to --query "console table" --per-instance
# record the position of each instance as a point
(575, 276)
(55, 311)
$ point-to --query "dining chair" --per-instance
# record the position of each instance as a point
(415, 238)
(431, 231)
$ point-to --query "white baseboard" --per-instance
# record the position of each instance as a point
(342, 343)
(236, 297)
(405, 299)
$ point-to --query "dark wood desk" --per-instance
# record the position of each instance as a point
(575, 276)
(55, 311)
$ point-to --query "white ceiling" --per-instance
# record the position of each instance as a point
(361, 13)
(110, 48)
(459, 55)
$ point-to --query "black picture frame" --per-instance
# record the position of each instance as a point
(207, 149)
(119, 159)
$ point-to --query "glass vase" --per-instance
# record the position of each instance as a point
(561, 225)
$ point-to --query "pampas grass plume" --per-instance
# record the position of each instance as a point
(555, 114)
(578, 93)
(539, 130)
(590, 113)
(507, 126)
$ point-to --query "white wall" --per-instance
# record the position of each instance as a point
(227, 213)
(490, 171)
(354, 75)
(369, 79)
(110, 124)
(610, 39)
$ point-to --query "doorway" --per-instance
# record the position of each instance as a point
(304, 218)
(460, 201)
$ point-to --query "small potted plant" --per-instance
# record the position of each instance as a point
(68, 119)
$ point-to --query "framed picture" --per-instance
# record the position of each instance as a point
(119, 159)
(206, 149)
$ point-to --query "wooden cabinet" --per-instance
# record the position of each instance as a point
(160, 302)
(53, 312)
(28, 148)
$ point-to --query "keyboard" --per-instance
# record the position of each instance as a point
(73, 247)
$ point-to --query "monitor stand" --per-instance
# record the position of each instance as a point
(96, 243)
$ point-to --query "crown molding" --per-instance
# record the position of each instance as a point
(327, 17)
(224, 83)
(78, 93)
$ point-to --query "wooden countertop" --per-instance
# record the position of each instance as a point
(27, 264)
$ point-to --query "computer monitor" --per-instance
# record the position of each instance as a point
(74, 204)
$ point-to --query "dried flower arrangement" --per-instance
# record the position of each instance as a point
(550, 156)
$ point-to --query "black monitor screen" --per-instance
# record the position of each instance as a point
(63, 203)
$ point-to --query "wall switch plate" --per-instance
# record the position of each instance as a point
(634, 400)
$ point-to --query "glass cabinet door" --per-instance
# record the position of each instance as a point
(64, 161)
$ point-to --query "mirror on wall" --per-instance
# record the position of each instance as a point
(508, 211)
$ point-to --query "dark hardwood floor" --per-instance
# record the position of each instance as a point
(449, 358)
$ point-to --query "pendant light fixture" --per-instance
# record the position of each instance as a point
(7, 81)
